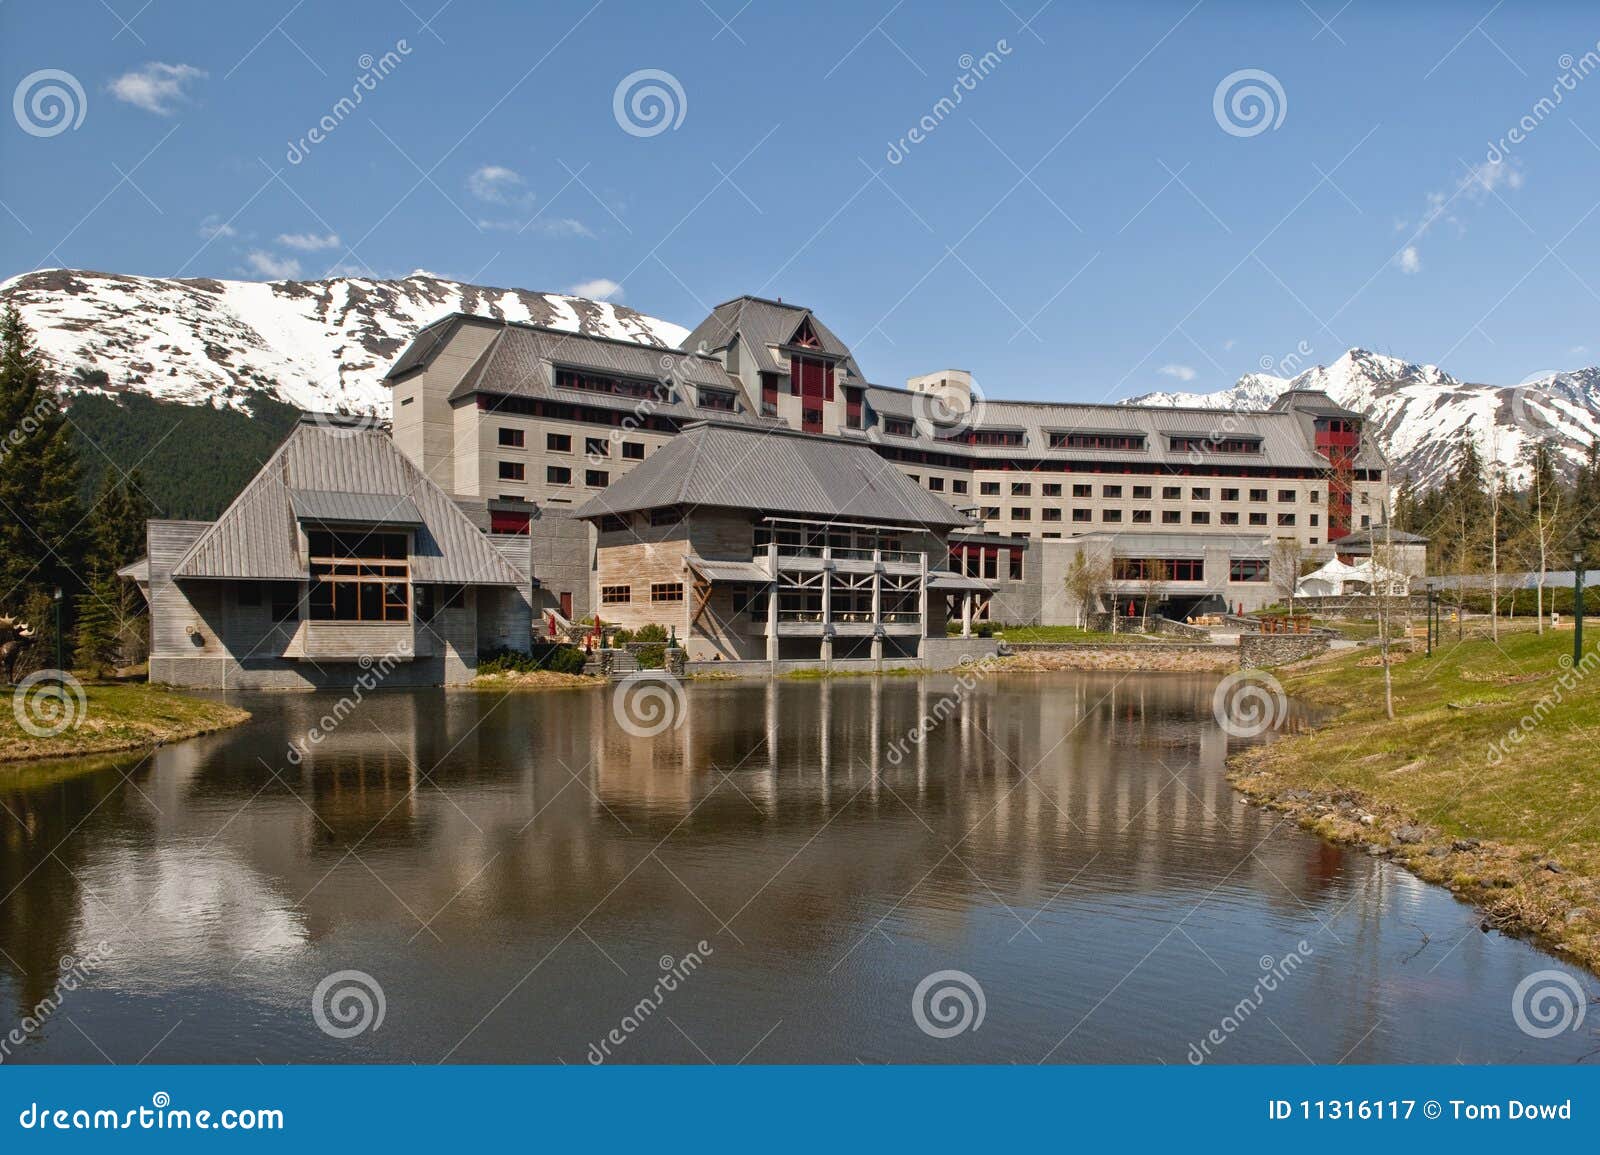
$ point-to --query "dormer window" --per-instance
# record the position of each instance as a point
(717, 399)
(897, 426)
(806, 336)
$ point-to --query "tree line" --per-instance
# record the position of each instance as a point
(59, 554)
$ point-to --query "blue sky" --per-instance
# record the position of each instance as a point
(1083, 224)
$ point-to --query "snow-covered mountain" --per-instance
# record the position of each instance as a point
(326, 345)
(1418, 411)
(315, 344)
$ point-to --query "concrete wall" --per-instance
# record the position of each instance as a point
(562, 552)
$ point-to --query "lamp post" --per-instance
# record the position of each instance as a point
(60, 661)
(1577, 608)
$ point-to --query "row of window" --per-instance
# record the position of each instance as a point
(555, 474)
(562, 443)
(661, 593)
(1138, 516)
(1140, 492)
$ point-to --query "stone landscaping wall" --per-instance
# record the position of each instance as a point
(1258, 651)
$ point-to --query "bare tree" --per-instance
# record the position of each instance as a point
(1154, 581)
(1382, 562)
(1288, 557)
(1087, 581)
(1544, 497)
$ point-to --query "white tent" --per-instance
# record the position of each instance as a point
(1336, 579)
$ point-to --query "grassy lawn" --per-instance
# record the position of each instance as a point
(1448, 793)
(1067, 634)
(121, 716)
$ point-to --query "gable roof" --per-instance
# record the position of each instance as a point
(763, 324)
(330, 468)
(773, 471)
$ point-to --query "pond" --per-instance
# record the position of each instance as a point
(1019, 868)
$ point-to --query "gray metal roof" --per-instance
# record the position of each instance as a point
(764, 325)
(258, 535)
(728, 571)
(943, 579)
(324, 505)
(774, 471)
(521, 361)
(1363, 538)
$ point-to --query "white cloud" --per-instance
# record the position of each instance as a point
(1579, 350)
(599, 289)
(1409, 261)
(1227, 346)
(308, 242)
(499, 185)
(272, 266)
(214, 226)
(157, 87)
(1181, 372)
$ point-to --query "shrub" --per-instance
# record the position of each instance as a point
(651, 657)
(559, 659)
(649, 633)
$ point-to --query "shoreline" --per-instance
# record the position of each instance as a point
(1519, 888)
(115, 718)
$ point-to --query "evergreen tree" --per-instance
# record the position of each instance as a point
(98, 625)
(41, 542)
(117, 522)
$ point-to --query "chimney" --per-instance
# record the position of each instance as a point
(953, 388)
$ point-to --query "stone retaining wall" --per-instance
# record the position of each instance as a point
(1257, 651)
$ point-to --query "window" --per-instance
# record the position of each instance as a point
(1366, 521)
(1050, 489)
(596, 478)
(1016, 565)
(1111, 491)
(1316, 496)
(602, 383)
(991, 513)
(1216, 444)
(1020, 513)
(716, 399)
(1313, 519)
(616, 595)
(1177, 569)
(997, 437)
(1285, 495)
(1199, 517)
(958, 485)
(1083, 491)
(614, 523)
(1021, 489)
(433, 598)
(1054, 536)
(1171, 517)
(557, 475)
(1171, 492)
(661, 592)
(916, 478)
(359, 576)
(1258, 519)
(852, 409)
(897, 426)
(936, 484)
(1258, 495)
(1229, 517)
(596, 447)
(1083, 515)
(1247, 569)
(1141, 493)
(1110, 515)
(1286, 519)
(248, 593)
(1230, 495)
(1141, 517)
(512, 438)
(512, 471)
(988, 489)
(558, 442)
(633, 450)
(1052, 514)
(666, 515)
(1200, 493)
